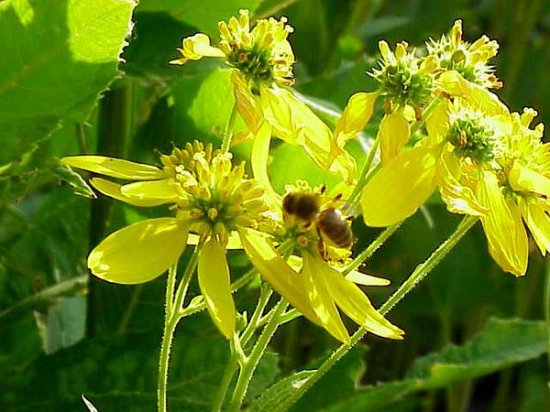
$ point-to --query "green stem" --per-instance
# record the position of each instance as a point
(167, 337)
(373, 247)
(228, 135)
(249, 365)
(184, 283)
(230, 370)
(363, 179)
(429, 264)
(232, 365)
(172, 317)
(265, 294)
(199, 304)
(416, 276)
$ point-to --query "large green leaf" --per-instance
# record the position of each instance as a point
(502, 343)
(59, 57)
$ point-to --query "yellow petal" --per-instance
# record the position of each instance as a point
(437, 123)
(112, 189)
(538, 222)
(523, 179)
(119, 168)
(294, 122)
(355, 116)
(479, 97)
(247, 106)
(503, 227)
(276, 271)
(366, 280)
(355, 303)
(393, 133)
(214, 282)
(459, 198)
(140, 252)
(400, 187)
(259, 159)
(322, 302)
(233, 241)
(195, 48)
(278, 113)
(161, 190)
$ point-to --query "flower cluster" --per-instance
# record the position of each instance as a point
(262, 61)
(473, 149)
(442, 130)
(211, 198)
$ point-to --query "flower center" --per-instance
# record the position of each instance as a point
(253, 63)
(404, 85)
(472, 139)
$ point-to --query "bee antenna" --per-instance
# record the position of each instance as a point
(323, 189)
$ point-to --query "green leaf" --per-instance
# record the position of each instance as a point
(281, 391)
(60, 57)
(502, 343)
(204, 17)
(338, 383)
(65, 325)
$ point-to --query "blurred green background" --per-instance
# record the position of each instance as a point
(63, 334)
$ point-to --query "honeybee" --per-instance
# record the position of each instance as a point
(332, 227)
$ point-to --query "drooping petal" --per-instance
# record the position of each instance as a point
(354, 302)
(119, 168)
(366, 280)
(140, 252)
(164, 189)
(259, 159)
(321, 300)
(276, 271)
(400, 187)
(355, 116)
(503, 227)
(479, 97)
(214, 283)
(112, 189)
(393, 133)
(437, 123)
(523, 179)
(538, 222)
(294, 122)
(248, 107)
(459, 198)
(278, 113)
(195, 48)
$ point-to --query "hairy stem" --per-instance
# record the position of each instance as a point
(249, 364)
(172, 317)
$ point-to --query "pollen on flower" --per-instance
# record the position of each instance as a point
(468, 59)
(263, 54)
(215, 196)
(314, 222)
(405, 79)
(472, 136)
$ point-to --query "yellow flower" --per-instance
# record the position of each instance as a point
(262, 60)
(518, 195)
(208, 196)
(311, 283)
(463, 142)
(407, 86)
(470, 60)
